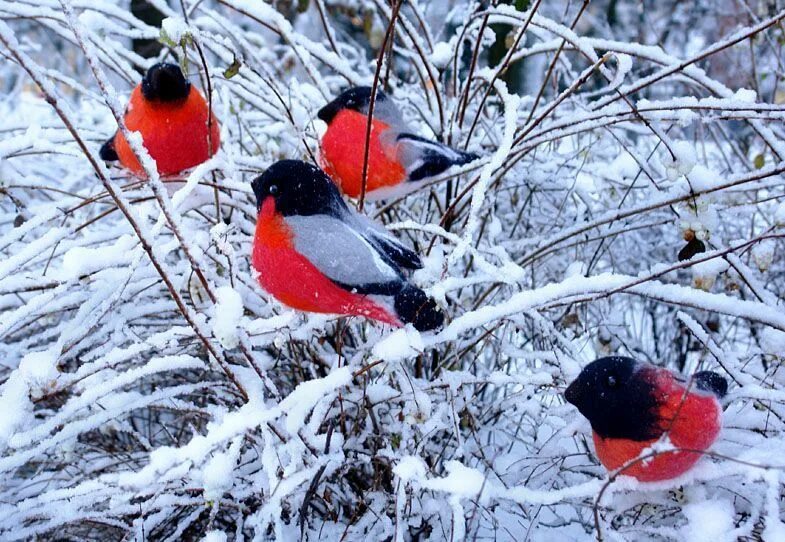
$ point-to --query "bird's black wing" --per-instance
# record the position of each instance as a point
(385, 243)
(424, 158)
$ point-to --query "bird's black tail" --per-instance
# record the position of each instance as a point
(108, 152)
(414, 307)
(711, 382)
(465, 158)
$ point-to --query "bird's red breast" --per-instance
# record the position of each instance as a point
(342, 154)
(691, 421)
(296, 282)
(174, 133)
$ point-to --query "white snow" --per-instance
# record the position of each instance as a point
(410, 468)
(39, 370)
(746, 95)
(763, 254)
(218, 476)
(779, 214)
(400, 344)
(709, 521)
(460, 481)
(442, 54)
(215, 536)
(681, 162)
(175, 28)
(80, 261)
(303, 399)
(704, 274)
(134, 407)
(227, 313)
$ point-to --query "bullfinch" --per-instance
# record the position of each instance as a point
(172, 117)
(398, 160)
(630, 405)
(314, 254)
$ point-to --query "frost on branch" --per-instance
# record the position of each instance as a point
(150, 390)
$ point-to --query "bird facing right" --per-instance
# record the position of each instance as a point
(399, 161)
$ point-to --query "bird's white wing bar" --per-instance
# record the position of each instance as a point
(423, 158)
(340, 252)
(415, 147)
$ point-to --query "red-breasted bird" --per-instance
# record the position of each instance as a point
(631, 404)
(172, 117)
(398, 161)
(314, 254)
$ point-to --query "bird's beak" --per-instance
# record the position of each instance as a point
(328, 112)
(256, 184)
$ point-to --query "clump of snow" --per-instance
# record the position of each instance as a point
(442, 54)
(745, 95)
(709, 521)
(623, 166)
(175, 29)
(763, 254)
(227, 313)
(585, 185)
(15, 405)
(379, 392)
(681, 162)
(93, 20)
(217, 476)
(704, 274)
(39, 370)
(214, 536)
(575, 269)
(779, 214)
(461, 481)
(303, 399)
(703, 178)
(401, 344)
(79, 261)
(775, 528)
(773, 341)
(35, 376)
(410, 467)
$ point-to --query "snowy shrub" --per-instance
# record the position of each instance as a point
(152, 391)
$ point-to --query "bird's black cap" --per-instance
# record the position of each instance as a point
(711, 382)
(166, 83)
(299, 188)
(355, 98)
(617, 398)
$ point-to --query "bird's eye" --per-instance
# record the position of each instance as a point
(611, 381)
(273, 190)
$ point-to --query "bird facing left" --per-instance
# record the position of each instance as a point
(312, 253)
(632, 405)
